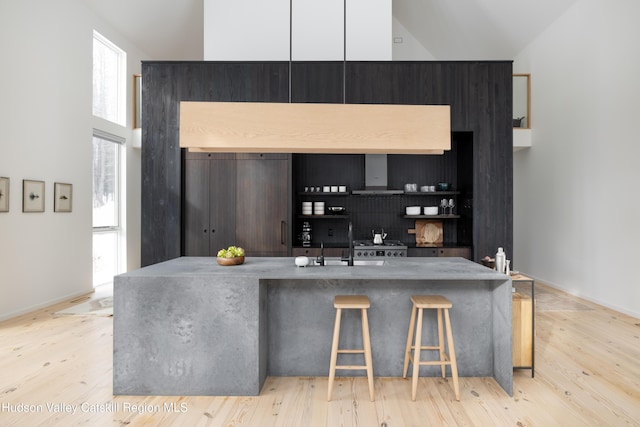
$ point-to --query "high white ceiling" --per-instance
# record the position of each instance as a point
(163, 29)
(448, 29)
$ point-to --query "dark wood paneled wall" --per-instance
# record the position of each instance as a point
(479, 92)
(480, 95)
(165, 84)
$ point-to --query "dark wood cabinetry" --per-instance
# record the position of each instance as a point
(236, 199)
(209, 203)
(464, 252)
(263, 205)
(315, 252)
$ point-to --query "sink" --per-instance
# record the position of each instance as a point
(356, 262)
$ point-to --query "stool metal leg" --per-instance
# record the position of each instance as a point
(334, 352)
(367, 351)
(416, 356)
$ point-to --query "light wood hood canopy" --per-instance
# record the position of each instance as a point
(314, 128)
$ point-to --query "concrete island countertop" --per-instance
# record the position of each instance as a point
(189, 326)
(430, 268)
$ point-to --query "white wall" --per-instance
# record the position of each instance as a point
(410, 49)
(47, 124)
(575, 191)
(255, 30)
(368, 30)
(317, 30)
(246, 30)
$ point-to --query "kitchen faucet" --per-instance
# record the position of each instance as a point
(320, 259)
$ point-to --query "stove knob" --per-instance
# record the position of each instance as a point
(401, 253)
(366, 254)
(359, 253)
(395, 254)
(389, 253)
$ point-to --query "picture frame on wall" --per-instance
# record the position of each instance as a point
(62, 195)
(4, 194)
(32, 196)
(137, 101)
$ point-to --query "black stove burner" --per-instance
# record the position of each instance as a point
(385, 243)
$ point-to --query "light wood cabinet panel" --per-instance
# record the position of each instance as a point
(522, 310)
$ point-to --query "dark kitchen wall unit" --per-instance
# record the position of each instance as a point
(480, 96)
(208, 224)
(368, 212)
(165, 84)
(479, 92)
(263, 203)
(236, 199)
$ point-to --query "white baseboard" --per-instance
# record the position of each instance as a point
(11, 315)
(587, 298)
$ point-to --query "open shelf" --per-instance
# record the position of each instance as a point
(432, 216)
(324, 216)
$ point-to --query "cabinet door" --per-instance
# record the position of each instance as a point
(315, 252)
(261, 206)
(196, 207)
(222, 207)
(209, 205)
(522, 330)
(455, 252)
(422, 252)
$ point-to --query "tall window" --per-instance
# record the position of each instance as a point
(106, 207)
(109, 94)
(109, 82)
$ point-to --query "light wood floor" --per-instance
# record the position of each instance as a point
(587, 374)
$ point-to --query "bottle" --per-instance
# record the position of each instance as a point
(501, 258)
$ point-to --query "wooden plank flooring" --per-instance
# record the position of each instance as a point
(587, 374)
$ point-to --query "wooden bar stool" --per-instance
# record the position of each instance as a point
(362, 303)
(420, 302)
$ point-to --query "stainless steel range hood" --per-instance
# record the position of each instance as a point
(375, 176)
(315, 128)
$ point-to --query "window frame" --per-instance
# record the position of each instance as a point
(121, 80)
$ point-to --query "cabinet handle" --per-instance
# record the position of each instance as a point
(283, 231)
(205, 230)
(213, 231)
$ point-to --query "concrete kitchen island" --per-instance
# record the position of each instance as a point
(191, 327)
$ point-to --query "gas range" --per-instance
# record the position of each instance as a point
(366, 249)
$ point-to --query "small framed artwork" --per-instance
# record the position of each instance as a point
(32, 196)
(4, 194)
(137, 101)
(62, 194)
